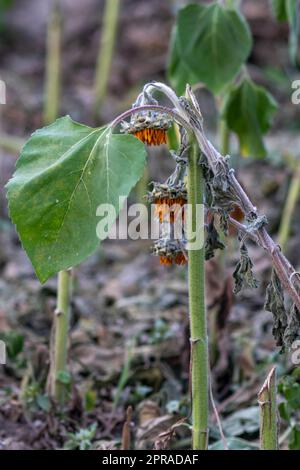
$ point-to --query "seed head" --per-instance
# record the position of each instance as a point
(169, 252)
(169, 200)
(150, 127)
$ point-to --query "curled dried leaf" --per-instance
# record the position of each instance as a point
(213, 241)
(275, 304)
(292, 331)
(218, 195)
(243, 274)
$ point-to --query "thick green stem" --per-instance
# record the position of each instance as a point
(268, 413)
(289, 209)
(52, 91)
(198, 321)
(60, 340)
(107, 43)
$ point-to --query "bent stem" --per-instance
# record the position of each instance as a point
(60, 340)
(198, 321)
(268, 413)
(289, 209)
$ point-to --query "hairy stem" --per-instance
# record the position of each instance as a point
(107, 43)
(289, 209)
(52, 91)
(198, 321)
(268, 413)
(60, 343)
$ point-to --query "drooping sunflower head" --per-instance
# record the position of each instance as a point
(169, 252)
(150, 127)
(169, 201)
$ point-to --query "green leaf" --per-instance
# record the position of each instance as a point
(248, 111)
(63, 377)
(90, 399)
(5, 4)
(43, 402)
(294, 443)
(209, 45)
(292, 395)
(179, 73)
(284, 411)
(14, 343)
(279, 9)
(65, 171)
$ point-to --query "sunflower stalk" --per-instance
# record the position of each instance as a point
(197, 310)
(268, 413)
(58, 378)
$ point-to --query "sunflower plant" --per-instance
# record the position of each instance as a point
(66, 170)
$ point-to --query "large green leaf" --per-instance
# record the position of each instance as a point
(65, 171)
(248, 111)
(279, 9)
(179, 73)
(211, 43)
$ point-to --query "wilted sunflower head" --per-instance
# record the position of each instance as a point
(150, 127)
(169, 200)
(169, 252)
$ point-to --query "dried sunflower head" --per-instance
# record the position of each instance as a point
(150, 127)
(169, 252)
(169, 200)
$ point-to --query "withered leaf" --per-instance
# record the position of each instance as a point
(243, 275)
(218, 195)
(274, 303)
(292, 331)
(213, 241)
